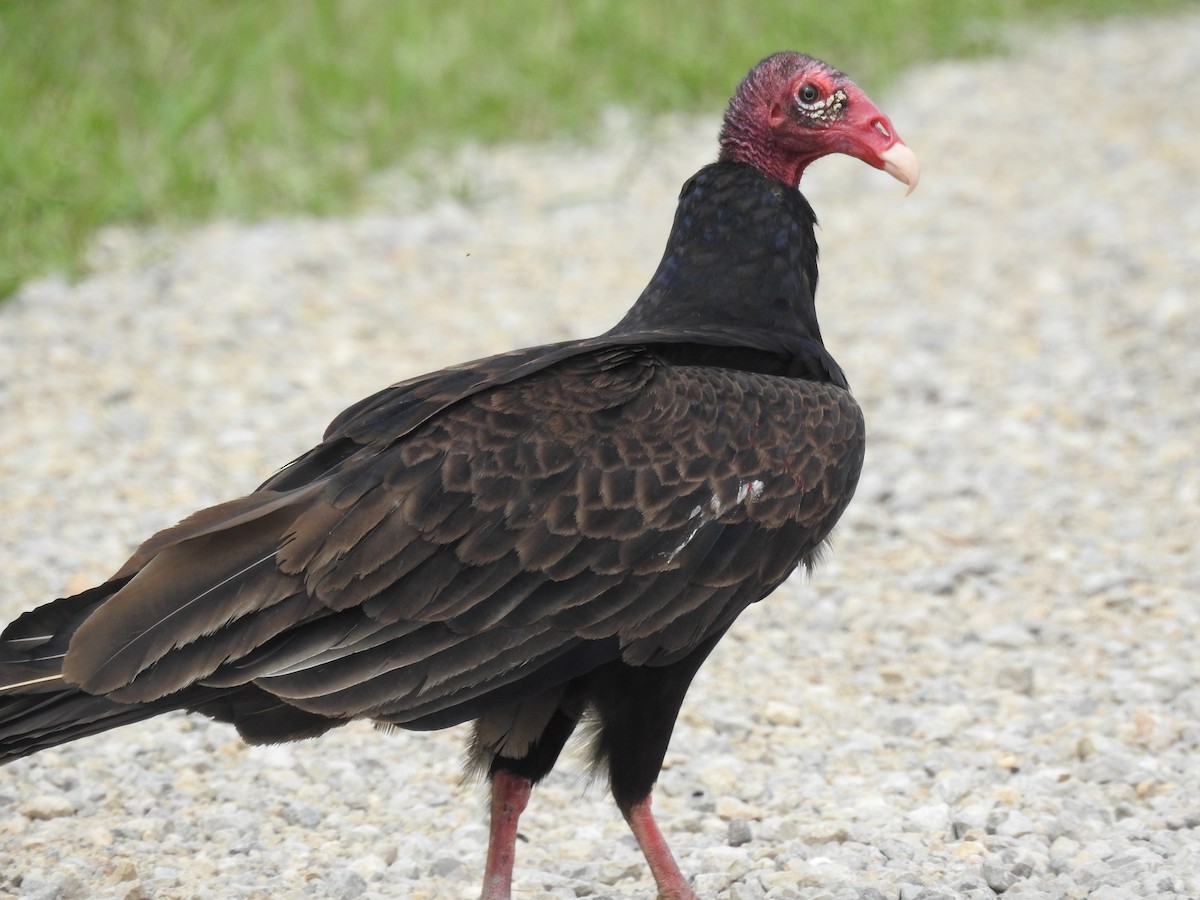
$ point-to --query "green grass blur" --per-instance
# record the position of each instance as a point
(172, 111)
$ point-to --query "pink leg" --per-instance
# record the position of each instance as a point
(671, 883)
(510, 793)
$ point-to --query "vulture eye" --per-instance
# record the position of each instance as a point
(809, 93)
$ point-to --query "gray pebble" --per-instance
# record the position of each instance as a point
(998, 878)
(344, 884)
(746, 890)
(739, 832)
(446, 866)
(302, 816)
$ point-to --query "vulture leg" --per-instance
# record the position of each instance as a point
(510, 793)
(512, 780)
(671, 883)
(637, 706)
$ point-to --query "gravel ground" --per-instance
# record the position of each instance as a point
(990, 687)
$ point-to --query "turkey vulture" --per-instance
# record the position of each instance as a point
(525, 541)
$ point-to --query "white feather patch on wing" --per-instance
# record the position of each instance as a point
(747, 491)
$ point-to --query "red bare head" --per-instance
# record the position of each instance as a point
(792, 109)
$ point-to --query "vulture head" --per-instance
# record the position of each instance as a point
(792, 109)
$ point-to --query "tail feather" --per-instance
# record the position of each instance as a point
(32, 645)
(33, 722)
(39, 710)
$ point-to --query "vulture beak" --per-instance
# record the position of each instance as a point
(867, 134)
(902, 164)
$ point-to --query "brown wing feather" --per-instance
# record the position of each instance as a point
(606, 499)
(186, 591)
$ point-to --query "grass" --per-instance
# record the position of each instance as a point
(165, 112)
